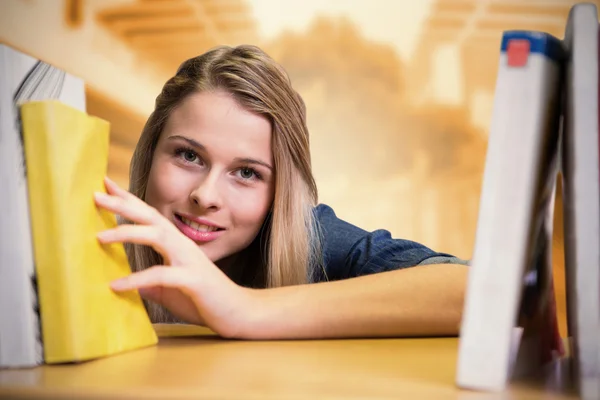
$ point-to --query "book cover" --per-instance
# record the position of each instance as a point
(22, 78)
(66, 154)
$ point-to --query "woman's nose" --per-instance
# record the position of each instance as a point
(206, 194)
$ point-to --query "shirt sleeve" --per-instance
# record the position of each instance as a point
(349, 251)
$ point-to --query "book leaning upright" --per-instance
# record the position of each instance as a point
(22, 78)
(510, 281)
(581, 164)
(66, 153)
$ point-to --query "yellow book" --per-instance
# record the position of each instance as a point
(66, 153)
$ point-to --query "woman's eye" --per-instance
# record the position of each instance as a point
(247, 173)
(189, 156)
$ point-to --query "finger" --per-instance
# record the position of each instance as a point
(149, 235)
(178, 303)
(157, 276)
(113, 188)
(153, 294)
(140, 213)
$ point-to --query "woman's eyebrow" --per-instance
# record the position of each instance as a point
(192, 142)
(253, 161)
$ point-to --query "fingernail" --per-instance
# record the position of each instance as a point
(100, 195)
(102, 235)
(106, 236)
(119, 284)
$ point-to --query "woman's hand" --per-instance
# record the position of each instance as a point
(188, 284)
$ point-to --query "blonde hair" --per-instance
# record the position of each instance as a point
(288, 248)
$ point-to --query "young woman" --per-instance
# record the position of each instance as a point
(224, 229)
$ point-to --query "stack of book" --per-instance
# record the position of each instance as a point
(545, 125)
(55, 301)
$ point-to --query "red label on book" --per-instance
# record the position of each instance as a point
(518, 52)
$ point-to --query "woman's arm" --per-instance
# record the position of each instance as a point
(420, 301)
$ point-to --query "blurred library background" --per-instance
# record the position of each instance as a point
(399, 93)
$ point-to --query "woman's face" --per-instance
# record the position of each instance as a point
(212, 173)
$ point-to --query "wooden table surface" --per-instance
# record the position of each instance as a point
(192, 363)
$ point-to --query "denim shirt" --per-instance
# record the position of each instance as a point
(349, 251)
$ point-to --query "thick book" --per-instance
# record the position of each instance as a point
(509, 321)
(22, 78)
(66, 153)
(581, 193)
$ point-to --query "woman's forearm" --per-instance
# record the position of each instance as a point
(418, 301)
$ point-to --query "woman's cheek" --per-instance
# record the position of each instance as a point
(251, 205)
(167, 184)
